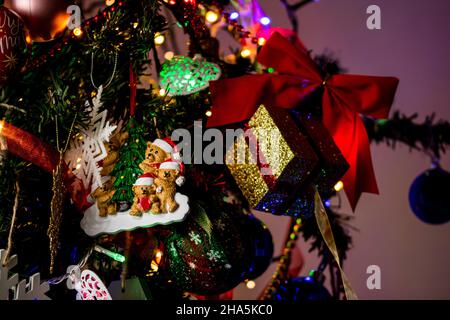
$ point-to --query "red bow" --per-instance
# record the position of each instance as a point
(345, 97)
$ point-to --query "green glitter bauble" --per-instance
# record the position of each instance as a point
(208, 263)
(183, 75)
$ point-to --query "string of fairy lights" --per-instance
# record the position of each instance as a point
(211, 15)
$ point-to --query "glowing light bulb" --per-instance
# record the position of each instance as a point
(211, 16)
(154, 266)
(250, 284)
(162, 92)
(208, 113)
(159, 39)
(234, 15)
(77, 32)
(113, 255)
(168, 55)
(261, 41)
(109, 2)
(265, 21)
(339, 186)
(245, 53)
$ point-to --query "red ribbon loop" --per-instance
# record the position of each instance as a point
(28, 147)
(345, 97)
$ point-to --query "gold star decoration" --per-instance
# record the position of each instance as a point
(10, 61)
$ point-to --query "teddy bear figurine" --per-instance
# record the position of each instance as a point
(159, 151)
(112, 149)
(102, 195)
(169, 175)
(145, 198)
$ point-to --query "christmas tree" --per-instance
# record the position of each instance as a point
(185, 228)
(127, 170)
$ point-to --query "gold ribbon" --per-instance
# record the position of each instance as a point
(327, 234)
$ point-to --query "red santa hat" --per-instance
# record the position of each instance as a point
(168, 146)
(175, 165)
(145, 180)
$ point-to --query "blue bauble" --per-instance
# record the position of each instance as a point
(429, 196)
(261, 248)
(302, 289)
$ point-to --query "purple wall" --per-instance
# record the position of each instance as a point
(412, 45)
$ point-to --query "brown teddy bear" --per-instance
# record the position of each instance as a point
(103, 195)
(145, 198)
(112, 148)
(158, 152)
(170, 174)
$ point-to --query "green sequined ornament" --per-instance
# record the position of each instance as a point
(183, 75)
(205, 258)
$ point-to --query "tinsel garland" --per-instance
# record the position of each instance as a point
(281, 271)
(430, 136)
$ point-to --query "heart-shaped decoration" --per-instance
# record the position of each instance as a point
(92, 288)
(87, 283)
(182, 75)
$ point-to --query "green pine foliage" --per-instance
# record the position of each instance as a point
(127, 170)
(53, 84)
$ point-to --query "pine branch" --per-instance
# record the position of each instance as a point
(291, 10)
(431, 137)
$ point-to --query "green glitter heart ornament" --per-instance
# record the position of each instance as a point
(183, 75)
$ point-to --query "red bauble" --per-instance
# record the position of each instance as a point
(12, 43)
(45, 19)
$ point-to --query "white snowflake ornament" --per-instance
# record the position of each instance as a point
(6, 282)
(33, 290)
(88, 149)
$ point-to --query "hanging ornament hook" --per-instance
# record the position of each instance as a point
(113, 73)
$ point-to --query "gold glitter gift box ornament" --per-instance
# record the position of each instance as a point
(332, 163)
(274, 163)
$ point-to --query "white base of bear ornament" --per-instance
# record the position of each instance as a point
(94, 225)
